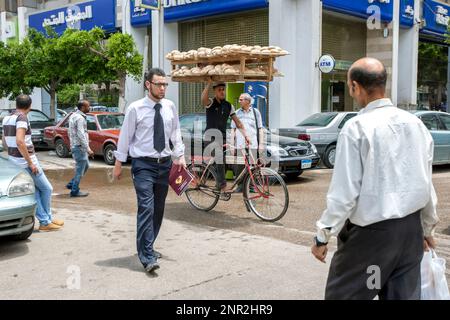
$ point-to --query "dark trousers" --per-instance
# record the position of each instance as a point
(380, 259)
(151, 184)
(219, 164)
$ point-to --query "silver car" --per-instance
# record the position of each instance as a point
(323, 130)
(17, 201)
(439, 125)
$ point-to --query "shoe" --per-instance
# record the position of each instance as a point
(152, 267)
(58, 222)
(80, 194)
(157, 254)
(69, 186)
(49, 227)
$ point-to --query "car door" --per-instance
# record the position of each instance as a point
(95, 142)
(186, 127)
(344, 121)
(63, 131)
(445, 119)
(438, 133)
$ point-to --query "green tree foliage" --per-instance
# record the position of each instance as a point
(76, 57)
(69, 95)
(12, 71)
(433, 63)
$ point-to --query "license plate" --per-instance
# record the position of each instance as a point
(306, 164)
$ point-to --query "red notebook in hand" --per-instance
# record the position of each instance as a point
(179, 181)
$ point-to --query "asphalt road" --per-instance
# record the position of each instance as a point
(231, 242)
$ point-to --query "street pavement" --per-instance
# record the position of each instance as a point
(227, 253)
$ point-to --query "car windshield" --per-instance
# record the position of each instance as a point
(110, 121)
(318, 120)
(37, 116)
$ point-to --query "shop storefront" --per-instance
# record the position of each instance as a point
(208, 24)
(433, 56)
(345, 39)
(345, 36)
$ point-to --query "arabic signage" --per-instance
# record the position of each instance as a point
(179, 10)
(148, 4)
(81, 16)
(436, 16)
(359, 8)
(407, 12)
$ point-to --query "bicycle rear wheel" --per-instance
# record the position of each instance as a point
(200, 193)
(267, 194)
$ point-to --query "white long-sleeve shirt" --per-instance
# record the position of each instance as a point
(137, 132)
(383, 170)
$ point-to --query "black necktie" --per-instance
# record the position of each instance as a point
(159, 140)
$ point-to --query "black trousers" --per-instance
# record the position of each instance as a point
(151, 184)
(380, 259)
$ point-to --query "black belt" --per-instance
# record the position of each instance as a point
(156, 160)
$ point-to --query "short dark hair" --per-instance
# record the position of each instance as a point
(81, 103)
(154, 72)
(221, 84)
(23, 101)
(371, 81)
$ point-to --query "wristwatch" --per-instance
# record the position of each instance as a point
(318, 243)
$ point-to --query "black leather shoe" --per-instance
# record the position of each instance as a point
(152, 267)
(80, 194)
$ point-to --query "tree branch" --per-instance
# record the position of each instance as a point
(101, 54)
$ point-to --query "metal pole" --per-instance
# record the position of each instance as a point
(395, 47)
(161, 35)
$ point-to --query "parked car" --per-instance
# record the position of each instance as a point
(322, 129)
(60, 114)
(17, 201)
(98, 109)
(294, 155)
(103, 129)
(439, 125)
(38, 121)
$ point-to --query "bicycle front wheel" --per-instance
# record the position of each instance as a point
(266, 194)
(200, 193)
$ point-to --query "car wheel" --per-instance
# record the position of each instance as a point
(293, 175)
(108, 154)
(329, 156)
(61, 149)
(24, 235)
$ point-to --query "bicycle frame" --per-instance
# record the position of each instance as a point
(248, 169)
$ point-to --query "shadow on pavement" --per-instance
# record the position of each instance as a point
(131, 263)
(217, 219)
(10, 249)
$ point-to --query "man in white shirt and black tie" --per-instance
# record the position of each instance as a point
(381, 203)
(149, 126)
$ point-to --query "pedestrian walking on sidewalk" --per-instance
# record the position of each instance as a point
(17, 139)
(381, 203)
(79, 144)
(149, 126)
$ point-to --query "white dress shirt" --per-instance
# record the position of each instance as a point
(248, 120)
(383, 170)
(136, 134)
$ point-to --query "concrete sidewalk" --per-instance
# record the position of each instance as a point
(198, 263)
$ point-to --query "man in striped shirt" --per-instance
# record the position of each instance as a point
(17, 139)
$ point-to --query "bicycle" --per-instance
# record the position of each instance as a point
(264, 190)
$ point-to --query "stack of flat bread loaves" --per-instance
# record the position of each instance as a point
(226, 50)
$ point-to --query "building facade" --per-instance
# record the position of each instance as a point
(345, 29)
